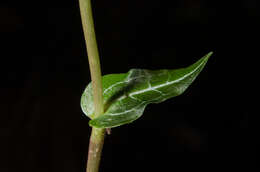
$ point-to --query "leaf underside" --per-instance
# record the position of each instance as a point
(126, 95)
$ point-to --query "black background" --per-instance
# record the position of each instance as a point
(44, 70)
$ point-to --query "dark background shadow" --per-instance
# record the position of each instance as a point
(44, 70)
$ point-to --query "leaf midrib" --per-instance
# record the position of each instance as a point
(154, 89)
(164, 85)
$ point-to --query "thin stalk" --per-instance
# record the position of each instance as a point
(97, 135)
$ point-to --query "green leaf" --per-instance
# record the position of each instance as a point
(126, 95)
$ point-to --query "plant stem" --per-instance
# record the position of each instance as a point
(95, 149)
(93, 56)
(97, 135)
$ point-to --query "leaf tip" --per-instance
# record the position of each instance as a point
(208, 55)
(205, 58)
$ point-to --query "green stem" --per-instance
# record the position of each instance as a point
(95, 149)
(97, 135)
(93, 56)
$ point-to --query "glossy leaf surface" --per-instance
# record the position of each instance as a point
(127, 95)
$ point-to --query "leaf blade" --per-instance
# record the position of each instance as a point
(127, 95)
